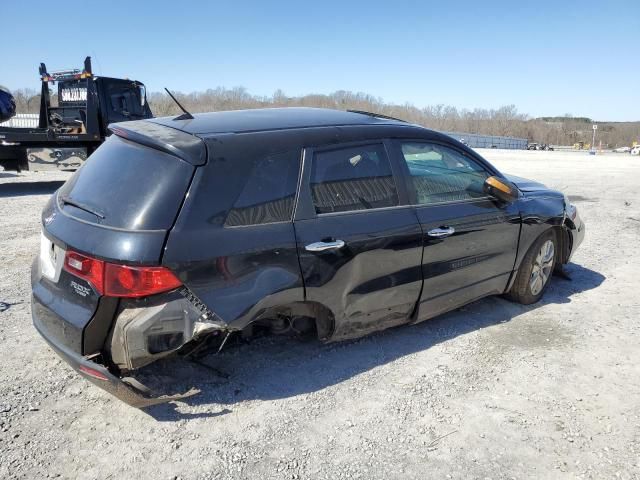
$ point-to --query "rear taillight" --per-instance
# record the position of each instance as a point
(87, 268)
(116, 280)
(123, 281)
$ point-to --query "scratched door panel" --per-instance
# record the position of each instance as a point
(476, 260)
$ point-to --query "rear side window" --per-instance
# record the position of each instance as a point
(124, 100)
(127, 186)
(442, 174)
(355, 178)
(269, 192)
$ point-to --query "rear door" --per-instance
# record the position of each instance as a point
(359, 244)
(470, 240)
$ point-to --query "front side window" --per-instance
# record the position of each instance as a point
(354, 178)
(442, 174)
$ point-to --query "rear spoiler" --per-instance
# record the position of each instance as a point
(183, 145)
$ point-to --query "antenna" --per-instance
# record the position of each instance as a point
(186, 115)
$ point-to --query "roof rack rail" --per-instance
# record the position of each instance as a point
(378, 115)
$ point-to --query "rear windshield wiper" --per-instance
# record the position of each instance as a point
(68, 201)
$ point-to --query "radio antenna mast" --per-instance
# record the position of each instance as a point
(186, 115)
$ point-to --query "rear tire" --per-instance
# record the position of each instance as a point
(536, 269)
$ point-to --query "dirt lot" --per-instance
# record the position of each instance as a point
(495, 390)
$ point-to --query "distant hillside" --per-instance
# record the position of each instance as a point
(575, 129)
(505, 121)
(565, 118)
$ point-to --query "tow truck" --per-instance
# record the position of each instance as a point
(70, 129)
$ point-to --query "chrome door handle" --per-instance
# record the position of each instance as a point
(323, 246)
(441, 232)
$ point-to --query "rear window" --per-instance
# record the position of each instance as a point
(127, 185)
(124, 100)
(269, 192)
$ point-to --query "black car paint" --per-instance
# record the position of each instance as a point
(477, 260)
(133, 247)
(85, 233)
(540, 210)
(371, 283)
(245, 273)
(65, 313)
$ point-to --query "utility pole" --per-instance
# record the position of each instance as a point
(593, 140)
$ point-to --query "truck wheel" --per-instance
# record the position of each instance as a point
(535, 270)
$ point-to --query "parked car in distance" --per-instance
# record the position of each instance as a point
(622, 150)
(533, 146)
(635, 150)
(178, 233)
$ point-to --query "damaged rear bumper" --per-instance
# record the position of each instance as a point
(98, 374)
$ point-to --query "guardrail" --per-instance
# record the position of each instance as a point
(476, 140)
(22, 120)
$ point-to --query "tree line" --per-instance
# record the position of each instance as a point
(503, 121)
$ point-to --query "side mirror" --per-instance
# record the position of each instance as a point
(143, 94)
(501, 189)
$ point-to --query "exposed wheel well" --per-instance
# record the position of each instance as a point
(563, 238)
(300, 318)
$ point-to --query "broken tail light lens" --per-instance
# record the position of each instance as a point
(116, 280)
(93, 373)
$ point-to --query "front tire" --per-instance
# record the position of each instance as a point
(535, 271)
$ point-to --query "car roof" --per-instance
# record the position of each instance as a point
(264, 119)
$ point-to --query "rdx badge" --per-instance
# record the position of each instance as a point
(80, 289)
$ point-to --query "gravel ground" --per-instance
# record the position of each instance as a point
(494, 390)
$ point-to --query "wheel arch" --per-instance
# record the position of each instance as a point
(321, 315)
(565, 244)
(528, 240)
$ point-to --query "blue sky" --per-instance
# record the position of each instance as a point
(546, 57)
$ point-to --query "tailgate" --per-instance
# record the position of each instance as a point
(118, 208)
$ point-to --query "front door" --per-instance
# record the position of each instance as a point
(470, 240)
(359, 247)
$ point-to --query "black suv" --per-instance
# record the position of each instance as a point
(177, 233)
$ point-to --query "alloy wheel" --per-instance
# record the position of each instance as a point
(542, 267)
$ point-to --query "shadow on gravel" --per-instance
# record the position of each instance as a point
(8, 175)
(4, 306)
(276, 367)
(20, 189)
